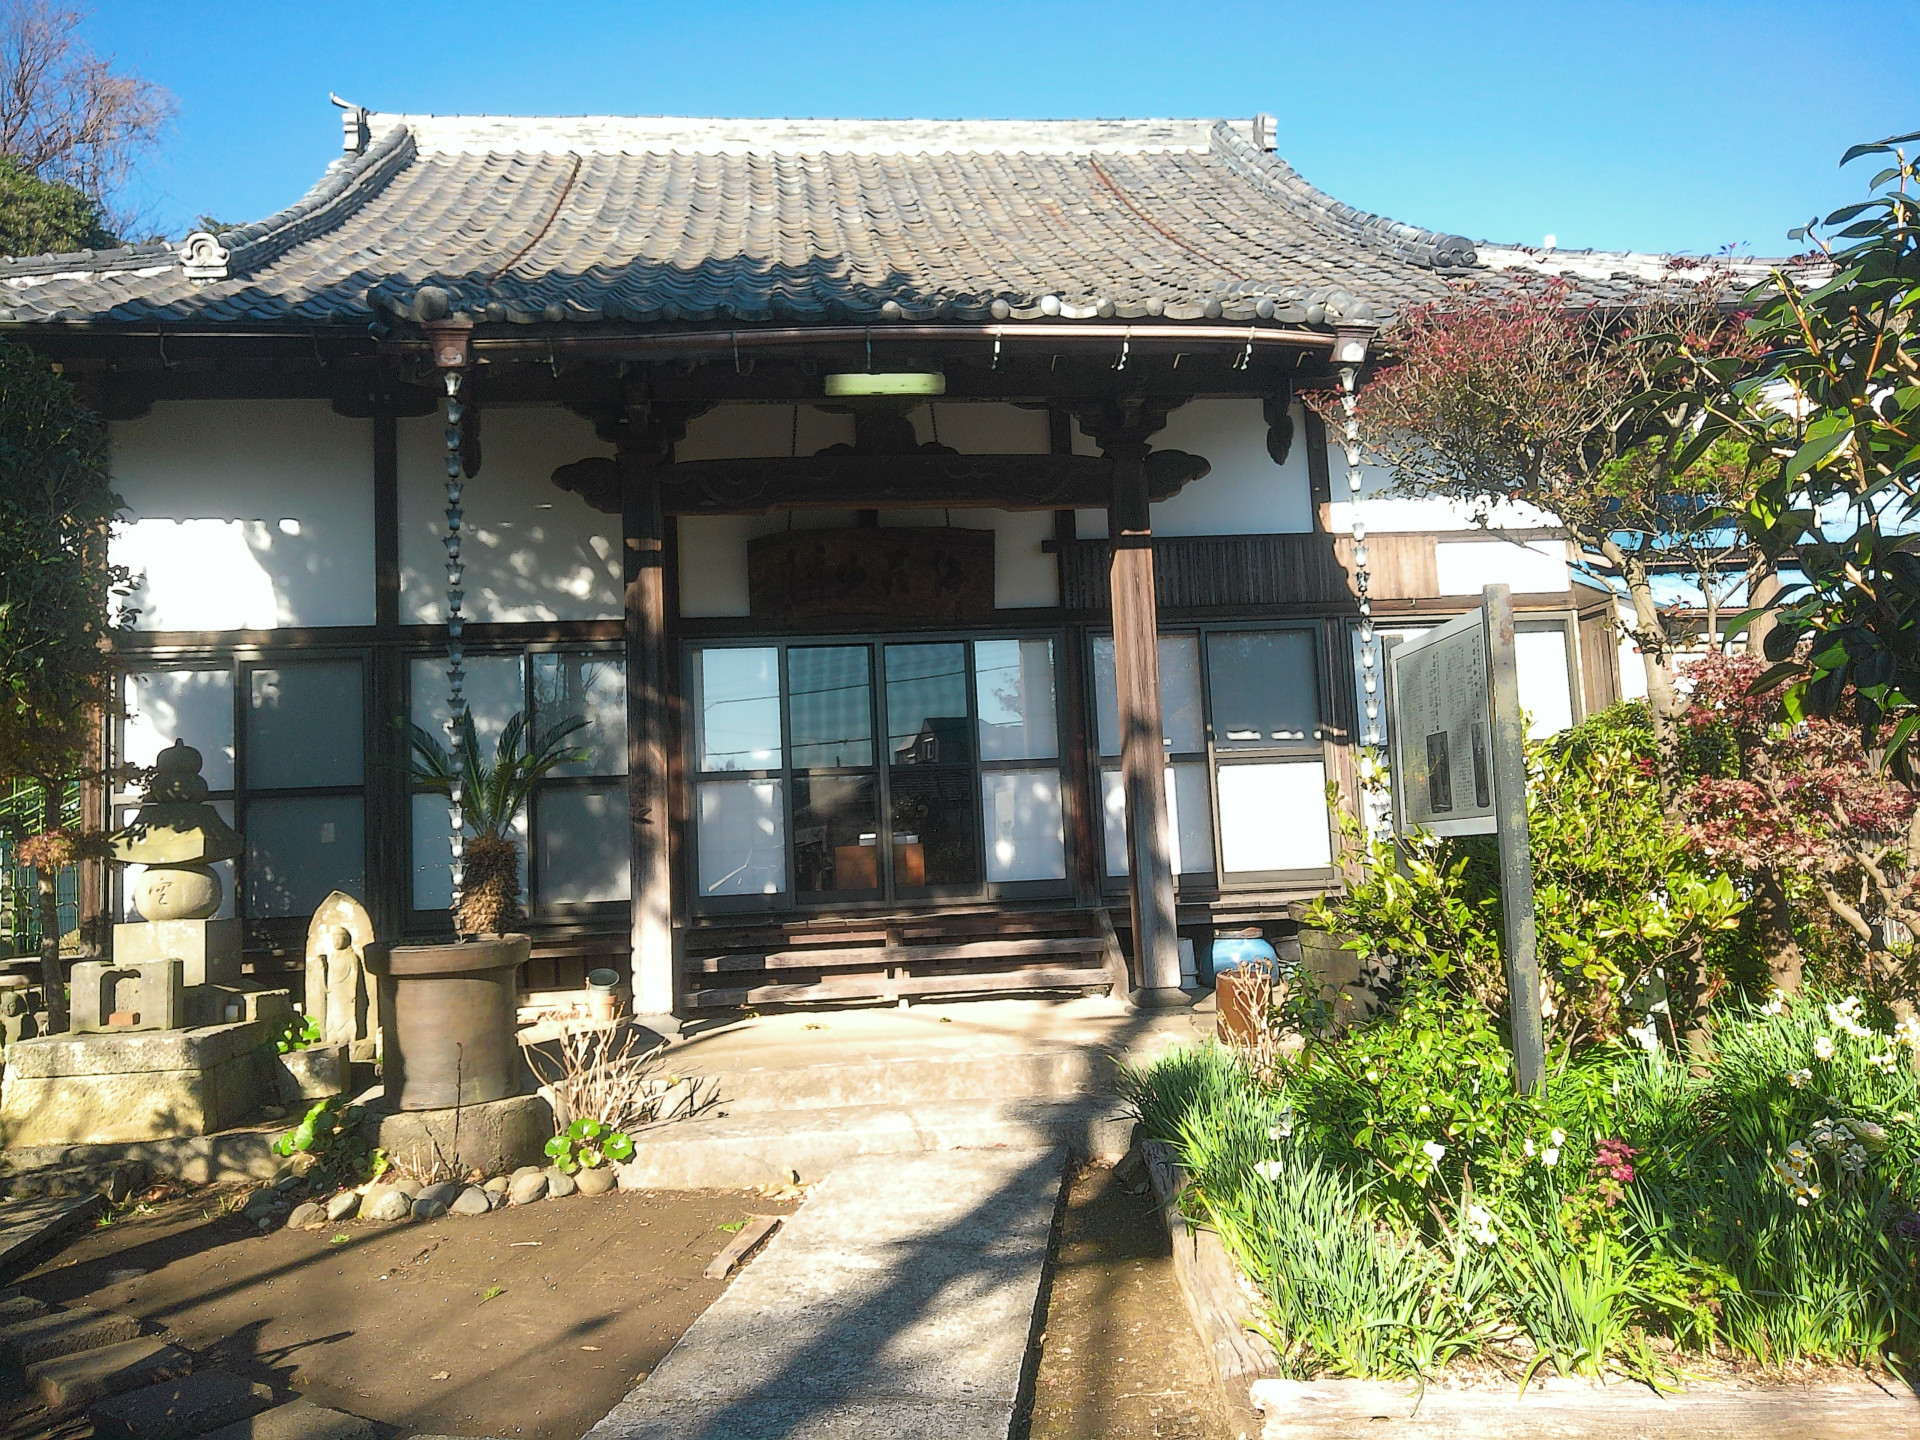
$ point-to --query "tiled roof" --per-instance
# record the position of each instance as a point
(645, 222)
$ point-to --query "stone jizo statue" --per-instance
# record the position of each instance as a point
(337, 994)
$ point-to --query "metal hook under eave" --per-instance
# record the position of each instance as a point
(996, 348)
(1126, 345)
(1246, 355)
(736, 350)
(869, 349)
(165, 363)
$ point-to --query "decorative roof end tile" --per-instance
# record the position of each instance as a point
(203, 257)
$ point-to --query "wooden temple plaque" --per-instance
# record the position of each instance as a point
(798, 577)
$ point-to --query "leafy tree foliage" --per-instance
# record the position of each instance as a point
(1835, 407)
(39, 217)
(1522, 407)
(56, 586)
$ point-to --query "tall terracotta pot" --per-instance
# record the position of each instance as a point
(448, 1012)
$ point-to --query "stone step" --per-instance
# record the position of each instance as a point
(180, 1409)
(71, 1381)
(296, 1420)
(33, 1229)
(761, 1147)
(909, 1080)
(64, 1332)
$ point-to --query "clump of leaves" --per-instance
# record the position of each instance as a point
(588, 1144)
(296, 1032)
(332, 1134)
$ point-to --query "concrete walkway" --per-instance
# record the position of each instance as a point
(899, 1302)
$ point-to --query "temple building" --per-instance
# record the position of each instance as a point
(925, 518)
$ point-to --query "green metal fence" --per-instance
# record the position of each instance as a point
(23, 813)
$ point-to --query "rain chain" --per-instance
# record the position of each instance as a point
(1374, 805)
(456, 623)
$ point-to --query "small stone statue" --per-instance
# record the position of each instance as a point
(177, 836)
(337, 941)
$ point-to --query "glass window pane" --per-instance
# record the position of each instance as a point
(1274, 817)
(191, 705)
(836, 834)
(593, 687)
(432, 859)
(1545, 694)
(1181, 723)
(130, 873)
(830, 705)
(736, 704)
(933, 835)
(1189, 808)
(1265, 689)
(495, 690)
(583, 842)
(1013, 684)
(742, 835)
(304, 725)
(299, 849)
(927, 704)
(1021, 812)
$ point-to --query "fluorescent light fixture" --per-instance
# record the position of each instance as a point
(897, 383)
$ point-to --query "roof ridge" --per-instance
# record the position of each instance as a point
(336, 196)
(1432, 249)
(116, 258)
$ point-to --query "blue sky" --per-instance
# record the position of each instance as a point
(1684, 125)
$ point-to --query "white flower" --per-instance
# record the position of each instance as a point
(1527, 1145)
(1798, 1078)
(1776, 1004)
(1846, 1016)
(1645, 1036)
(1559, 1137)
(1823, 1047)
(1480, 1224)
(1270, 1169)
(1550, 1158)
(1434, 1151)
(1884, 1063)
(1872, 1134)
(1907, 1032)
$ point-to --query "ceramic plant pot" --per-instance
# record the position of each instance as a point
(449, 1017)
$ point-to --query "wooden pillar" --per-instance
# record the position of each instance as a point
(1136, 662)
(389, 878)
(643, 532)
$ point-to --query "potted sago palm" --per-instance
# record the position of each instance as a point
(449, 1010)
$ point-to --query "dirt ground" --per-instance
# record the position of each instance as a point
(531, 1321)
(1119, 1359)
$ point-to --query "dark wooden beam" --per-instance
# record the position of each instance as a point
(873, 482)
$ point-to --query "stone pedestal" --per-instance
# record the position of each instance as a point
(231, 1004)
(494, 1136)
(311, 1074)
(110, 1089)
(116, 996)
(209, 950)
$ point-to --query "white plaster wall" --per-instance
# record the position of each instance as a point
(1387, 514)
(983, 427)
(533, 551)
(744, 432)
(246, 514)
(1244, 494)
(713, 553)
(1466, 567)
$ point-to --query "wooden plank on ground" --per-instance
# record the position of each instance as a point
(898, 955)
(757, 1229)
(1038, 979)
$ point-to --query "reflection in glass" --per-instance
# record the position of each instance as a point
(1189, 808)
(1264, 689)
(830, 705)
(1013, 680)
(594, 687)
(927, 704)
(191, 705)
(584, 844)
(496, 691)
(1021, 812)
(741, 833)
(304, 725)
(302, 847)
(836, 839)
(933, 837)
(1181, 724)
(736, 701)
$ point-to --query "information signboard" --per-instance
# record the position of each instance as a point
(1440, 730)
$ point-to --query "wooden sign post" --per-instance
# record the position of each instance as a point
(1459, 767)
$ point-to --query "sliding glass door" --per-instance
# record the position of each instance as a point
(881, 771)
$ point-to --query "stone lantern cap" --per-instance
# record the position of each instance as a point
(175, 825)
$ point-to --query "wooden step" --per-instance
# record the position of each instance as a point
(868, 987)
(873, 955)
(64, 1332)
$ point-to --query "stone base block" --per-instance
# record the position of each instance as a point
(115, 996)
(312, 1073)
(232, 1004)
(103, 1089)
(208, 949)
(495, 1136)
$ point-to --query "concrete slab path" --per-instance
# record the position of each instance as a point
(899, 1301)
